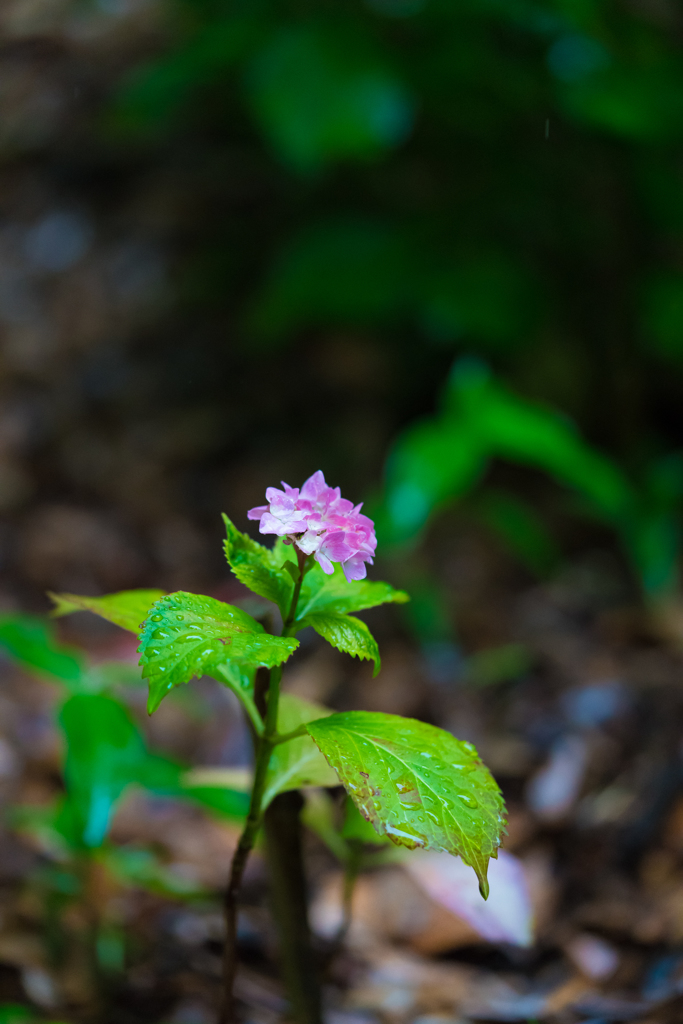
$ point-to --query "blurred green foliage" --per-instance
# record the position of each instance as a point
(445, 456)
(104, 750)
(435, 177)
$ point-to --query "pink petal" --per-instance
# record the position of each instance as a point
(269, 524)
(309, 543)
(505, 917)
(354, 568)
(337, 547)
(324, 563)
(274, 493)
(313, 486)
(256, 513)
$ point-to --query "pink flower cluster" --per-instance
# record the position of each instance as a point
(319, 521)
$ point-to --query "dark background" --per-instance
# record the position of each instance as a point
(241, 242)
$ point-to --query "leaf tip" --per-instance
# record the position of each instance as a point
(153, 702)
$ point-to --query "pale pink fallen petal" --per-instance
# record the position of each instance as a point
(553, 790)
(594, 957)
(505, 917)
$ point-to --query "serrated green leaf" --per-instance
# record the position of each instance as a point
(259, 567)
(127, 608)
(322, 593)
(346, 633)
(298, 762)
(31, 644)
(189, 635)
(417, 784)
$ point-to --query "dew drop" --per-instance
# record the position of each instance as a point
(180, 618)
(156, 618)
(468, 800)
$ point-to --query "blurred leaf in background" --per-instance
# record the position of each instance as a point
(323, 92)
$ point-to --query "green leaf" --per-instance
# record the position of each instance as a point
(318, 814)
(346, 633)
(30, 642)
(521, 529)
(416, 783)
(298, 762)
(127, 609)
(238, 677)
(16, 1013)
(347, 271)
(228, 803)
(334, 594)
(153, 94)
(258, 567)
(105, 753)
(189, 635)
(322, 93)
(142, 869)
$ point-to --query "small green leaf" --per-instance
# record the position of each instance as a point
(346, 633)
(416, 783)
(31, 643)
(105, 753)
(142, 869)
(297, 762)
(258, 567)
(318, 814)
(189, 635)
(292, 569)
(322, 593)
(228, 803)
(127, 609)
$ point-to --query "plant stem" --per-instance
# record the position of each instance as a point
(288, 900)
(264, 748)
(351, 869)
(246, 842)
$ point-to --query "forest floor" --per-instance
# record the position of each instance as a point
(571, 692)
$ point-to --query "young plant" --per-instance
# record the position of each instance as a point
(416, 784)
(104, 753)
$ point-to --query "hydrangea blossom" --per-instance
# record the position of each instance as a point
(321, 523)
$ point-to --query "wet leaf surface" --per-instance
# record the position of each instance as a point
(417, 784)
(189, 635)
